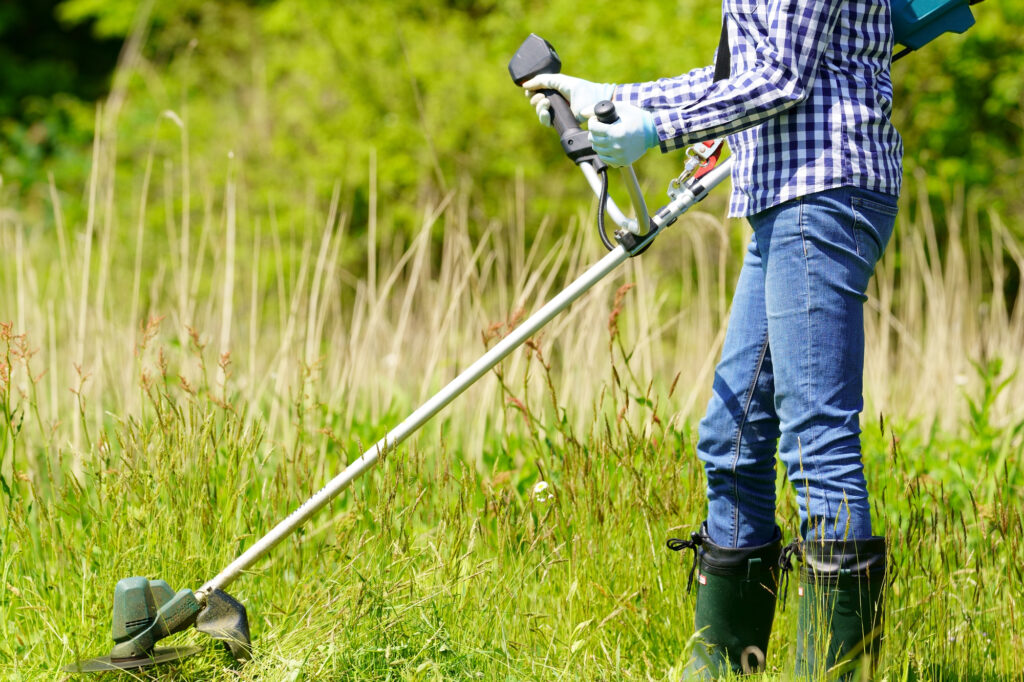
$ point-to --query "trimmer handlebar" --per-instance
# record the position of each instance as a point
(534, 57)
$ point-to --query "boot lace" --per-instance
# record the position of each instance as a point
(679, 544)
(786, 565)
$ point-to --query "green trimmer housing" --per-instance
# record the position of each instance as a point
(145, 611)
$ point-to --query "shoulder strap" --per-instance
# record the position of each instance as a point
(708, 153)
(723, 58)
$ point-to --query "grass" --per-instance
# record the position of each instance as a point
(433, 569)
(171, 387)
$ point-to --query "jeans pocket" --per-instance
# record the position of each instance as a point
(873, 221)
(884, 207)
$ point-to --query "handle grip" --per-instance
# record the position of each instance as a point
(605, 112)
(536, 56)
(561, 114)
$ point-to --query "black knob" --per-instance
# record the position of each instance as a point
(605, 112)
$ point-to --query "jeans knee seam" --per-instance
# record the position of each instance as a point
(807, 378)
(739, 437)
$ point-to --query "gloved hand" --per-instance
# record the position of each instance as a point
(623, 142)
(582, 95)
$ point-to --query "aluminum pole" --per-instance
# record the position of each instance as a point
(414, 421)
(695, 191)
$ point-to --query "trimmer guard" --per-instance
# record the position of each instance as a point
(157, 656)
(224, 618)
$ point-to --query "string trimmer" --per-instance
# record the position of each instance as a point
(146, 611)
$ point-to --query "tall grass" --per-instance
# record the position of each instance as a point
(284, 302)
(177, 373)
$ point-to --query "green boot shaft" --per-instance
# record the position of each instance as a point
(839, 624)
(736, 596)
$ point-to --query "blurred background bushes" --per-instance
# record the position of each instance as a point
(304, 93)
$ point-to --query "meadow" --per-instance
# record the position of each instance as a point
(185, 357)
(168, 397)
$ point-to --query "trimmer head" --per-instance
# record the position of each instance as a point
(146, 611)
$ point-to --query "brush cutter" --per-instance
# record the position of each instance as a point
(146, 611)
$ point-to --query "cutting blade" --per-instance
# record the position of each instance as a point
(106, 663)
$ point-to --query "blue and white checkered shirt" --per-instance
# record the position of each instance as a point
(806, 106)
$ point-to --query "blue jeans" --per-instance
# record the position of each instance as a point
(791, 372)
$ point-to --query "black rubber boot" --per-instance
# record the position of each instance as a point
(736, 595)
(839, 626)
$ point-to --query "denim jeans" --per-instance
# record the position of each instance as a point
(791, 372)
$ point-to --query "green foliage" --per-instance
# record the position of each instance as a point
(40, 57)
(48, 73)
(975, 469)
(426, 569)
(307, 93)
(430, 569)
(112, 19)
(960, 106)
(989, 455)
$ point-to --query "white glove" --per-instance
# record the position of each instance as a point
(623, 142)
(582, 95)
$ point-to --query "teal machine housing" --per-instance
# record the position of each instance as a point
(916, 23)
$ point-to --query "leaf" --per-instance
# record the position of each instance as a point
(579, 628)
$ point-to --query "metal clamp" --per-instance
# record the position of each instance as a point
(697, 156)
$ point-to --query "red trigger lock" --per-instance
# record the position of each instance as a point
(711, 162)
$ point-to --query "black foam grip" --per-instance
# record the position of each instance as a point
(561, 115)
(605, 112)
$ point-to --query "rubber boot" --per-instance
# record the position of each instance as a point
(839, 625)
(736, 595)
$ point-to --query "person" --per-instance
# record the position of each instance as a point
(806, 110)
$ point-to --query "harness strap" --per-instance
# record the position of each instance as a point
(723, 60)
(723, 64)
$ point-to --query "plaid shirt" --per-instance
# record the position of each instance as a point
(806, 107)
